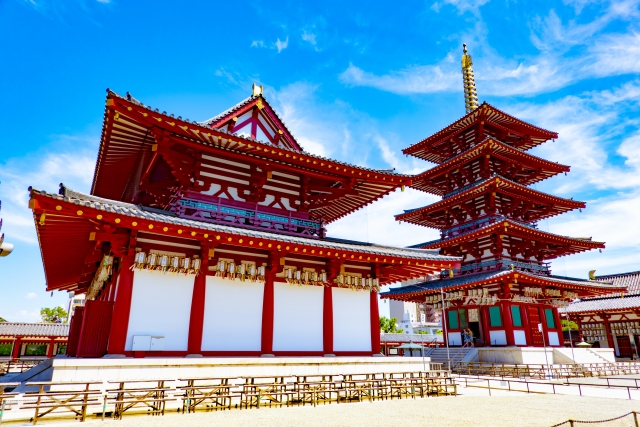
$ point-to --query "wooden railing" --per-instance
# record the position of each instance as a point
(542, 371)
(192, 394)
(18, 365)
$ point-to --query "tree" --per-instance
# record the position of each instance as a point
(569, 325)
(389, 326)
(54, 315)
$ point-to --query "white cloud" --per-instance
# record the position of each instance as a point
(104, 1)
(31, 295)
(411, 80)
(257, 43)
(282, 45)
(309, 37)
(568, 53)
(46, 172)
(463, 6)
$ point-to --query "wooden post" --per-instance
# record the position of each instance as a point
(268, 301)
(607, 329)
(196, 321)
(50, 348)
(375, 323)
(507, 315)
(327, 321)
(122, 307)
(17, 343)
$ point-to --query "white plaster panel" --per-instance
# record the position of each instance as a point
(455, 338)
(298, 317)
(519, 337)
(498, 337)
(232, 315)
(351, 320)
(161, 306)
(553, 338)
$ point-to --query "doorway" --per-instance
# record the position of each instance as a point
(534, 321)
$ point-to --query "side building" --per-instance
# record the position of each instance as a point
(208, 238)
(612, 320)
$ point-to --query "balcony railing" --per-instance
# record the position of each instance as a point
(497, 264)
(221, 212)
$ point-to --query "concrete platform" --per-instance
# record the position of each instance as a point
(72, 369)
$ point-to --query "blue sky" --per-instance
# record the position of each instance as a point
(353, 81)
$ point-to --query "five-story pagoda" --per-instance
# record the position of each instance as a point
(504, 291)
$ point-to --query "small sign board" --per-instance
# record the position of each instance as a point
(540, 327)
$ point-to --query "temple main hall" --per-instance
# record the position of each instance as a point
(208, 239)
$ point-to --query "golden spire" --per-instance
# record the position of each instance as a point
(470, 94)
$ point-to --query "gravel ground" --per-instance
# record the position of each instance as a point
(508, 409)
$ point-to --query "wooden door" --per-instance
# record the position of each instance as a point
(534, 320)
(624, 346)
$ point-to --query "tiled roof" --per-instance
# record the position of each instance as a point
(606, 303)
(34, 329)
(631, 280)
(136, 211)
(449, 283)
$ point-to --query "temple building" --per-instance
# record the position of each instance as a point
(32, 340)
(612, 320)
(504, 291)
(208, 238)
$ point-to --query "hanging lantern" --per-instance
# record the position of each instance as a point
(164, 263)
(152, 261)
(323, 277)
(221, 268)
(240, 271)
(195, 265)
(139, 260)
(261, 272)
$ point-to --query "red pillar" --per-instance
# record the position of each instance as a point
(16, 348)
(267, 307)
(122, 307)
(484, 315)
(508, 322)
(327, 323)
(607, 329)
(50, 348)
(375, 323)
(196, 321)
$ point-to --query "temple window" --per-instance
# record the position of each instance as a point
(494, 316)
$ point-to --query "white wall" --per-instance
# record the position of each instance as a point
(454, 338)
(298, 317)
(351, 320)
(498, 337)
(161, 305)
(232, 315)
(519, 337)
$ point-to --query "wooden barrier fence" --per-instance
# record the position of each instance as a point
(118, 397)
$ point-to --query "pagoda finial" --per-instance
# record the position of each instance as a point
(470, 93)
(257, 90)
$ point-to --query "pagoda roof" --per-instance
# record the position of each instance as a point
(608, 303)
(412, 292)
(71, 217)
(486, 112)
(128, 143)
(495, 183)
(545, 168)
(512, 228)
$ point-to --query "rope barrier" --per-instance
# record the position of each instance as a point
(572, 422)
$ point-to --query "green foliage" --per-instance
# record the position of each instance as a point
(389, 326)
(439, 332)
(569, 325)
(54, 315)
(2, 320)
(5, 349)
(421, 332)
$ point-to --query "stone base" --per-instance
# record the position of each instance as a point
(109, 369)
